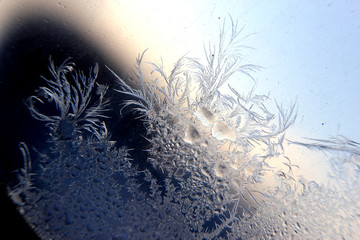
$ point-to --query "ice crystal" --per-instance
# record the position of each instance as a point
(208, 152)
(72, 99)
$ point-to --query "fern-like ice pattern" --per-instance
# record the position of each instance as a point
(208, 153)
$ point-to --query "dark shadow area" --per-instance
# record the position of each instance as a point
(24, 57)
(13, 225)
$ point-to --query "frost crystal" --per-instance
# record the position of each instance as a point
(208, 159)
(72, 99)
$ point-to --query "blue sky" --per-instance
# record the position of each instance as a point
(310, 51)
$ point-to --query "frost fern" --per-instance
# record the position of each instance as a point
(72, 100)
(208, 155)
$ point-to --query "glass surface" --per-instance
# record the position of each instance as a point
(180, 120)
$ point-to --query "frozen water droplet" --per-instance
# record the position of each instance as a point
(223, 132)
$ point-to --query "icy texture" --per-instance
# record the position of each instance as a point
(71, 99)
(208, 155)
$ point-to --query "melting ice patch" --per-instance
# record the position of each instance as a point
(209, 158)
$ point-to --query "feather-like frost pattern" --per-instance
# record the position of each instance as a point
(208, 171)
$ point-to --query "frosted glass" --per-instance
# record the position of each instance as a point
(224, 142)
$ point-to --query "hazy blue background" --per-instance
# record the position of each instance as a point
(309, 51)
